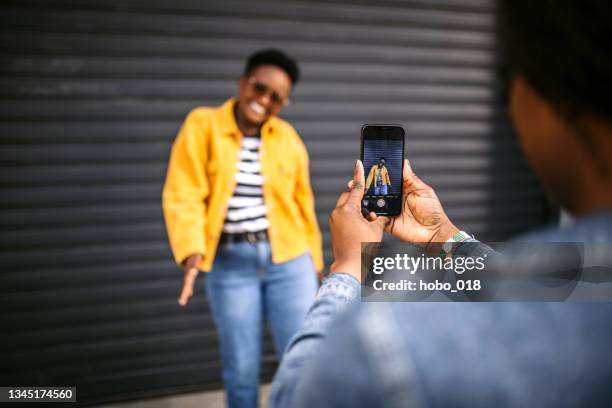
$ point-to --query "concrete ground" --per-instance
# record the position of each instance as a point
(208, 399)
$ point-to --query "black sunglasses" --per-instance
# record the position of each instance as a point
(263, 89)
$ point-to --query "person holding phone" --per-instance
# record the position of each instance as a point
(238, 205)
(480, 354)
(379, 175)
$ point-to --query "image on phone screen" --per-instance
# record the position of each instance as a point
(382, 156)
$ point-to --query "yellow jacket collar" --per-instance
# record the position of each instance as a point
(228, 120)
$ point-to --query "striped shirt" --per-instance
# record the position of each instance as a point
(247, 211)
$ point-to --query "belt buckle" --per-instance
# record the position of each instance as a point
(251, 237)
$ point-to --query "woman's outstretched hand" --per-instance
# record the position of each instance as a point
(190, 271)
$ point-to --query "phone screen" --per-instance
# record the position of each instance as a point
(382, 154)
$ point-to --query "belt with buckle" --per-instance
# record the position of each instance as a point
(250, 237)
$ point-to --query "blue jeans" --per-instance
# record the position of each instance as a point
(243, 287)
(381, 190)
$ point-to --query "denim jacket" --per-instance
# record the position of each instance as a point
(510, 354)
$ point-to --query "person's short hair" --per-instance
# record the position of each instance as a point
(382, 158)
(273, 57)
(563, 50)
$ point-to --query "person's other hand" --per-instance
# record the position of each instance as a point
(422, 220)
(349, 228)
(190, 269)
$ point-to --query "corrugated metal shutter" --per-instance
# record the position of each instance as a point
(92, 94)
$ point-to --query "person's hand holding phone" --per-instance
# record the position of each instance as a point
(422, 220)
(190, 270)
(349, 228)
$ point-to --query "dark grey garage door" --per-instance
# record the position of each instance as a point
(92, 94)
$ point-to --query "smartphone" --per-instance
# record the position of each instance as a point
(382, 155)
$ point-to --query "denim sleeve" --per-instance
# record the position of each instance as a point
(337, 292)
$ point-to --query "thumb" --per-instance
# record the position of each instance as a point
(411, 181)
(407, 174)
(357, 185)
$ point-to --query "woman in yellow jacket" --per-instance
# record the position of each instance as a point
(238, 204)
(379, 175)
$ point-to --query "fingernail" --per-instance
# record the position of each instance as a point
(356, 163)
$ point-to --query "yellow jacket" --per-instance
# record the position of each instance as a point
(201, 180)
(373, 175)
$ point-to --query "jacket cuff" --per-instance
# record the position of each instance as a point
(341, 286)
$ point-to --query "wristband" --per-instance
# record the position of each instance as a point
(448, 246)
